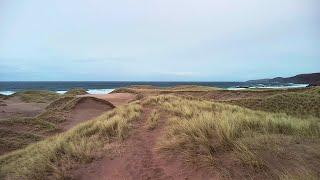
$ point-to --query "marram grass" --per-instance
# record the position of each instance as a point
(199, 130)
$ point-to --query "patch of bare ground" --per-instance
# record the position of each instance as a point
(84, 110)
(15, 107)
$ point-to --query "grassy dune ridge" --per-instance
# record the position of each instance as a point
(297, 104)
(80, 144)
(37, 96)
(15, 131)
(201, 131)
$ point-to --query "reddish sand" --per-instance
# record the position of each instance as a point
(13, 107)
(115, 98)
(138, 159)
(83, 111)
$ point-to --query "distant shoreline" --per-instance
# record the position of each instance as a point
(61, 88)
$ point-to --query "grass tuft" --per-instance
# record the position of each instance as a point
(152, 120)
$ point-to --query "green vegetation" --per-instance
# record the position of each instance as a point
(313, 90)
(36, 96)
(206, 133)
(76, 91)
(33, 123)
(297, 104)
(18, 132)
(10, 140)
(81, 144)
(153, 119)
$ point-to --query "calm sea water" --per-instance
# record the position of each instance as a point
(107, 86)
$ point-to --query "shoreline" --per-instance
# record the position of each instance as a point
(108, 90)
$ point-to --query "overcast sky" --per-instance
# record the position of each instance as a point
(160, 40)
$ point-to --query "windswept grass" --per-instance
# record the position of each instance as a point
(76, 91)
(153, 119)
(37, 123)
(297, 104)
(200, 131)
(78, 145)
(10, 140)
(38, 96)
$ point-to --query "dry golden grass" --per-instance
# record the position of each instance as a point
(160, 90)
(152, 120)
(37, 96)
(297, 104)
(76, 91)
(81, 144)
(200, 130)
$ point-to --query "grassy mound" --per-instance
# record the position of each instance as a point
(11, 140)
(208, 134)
(18, 132)
(76, 91)
(69, 102)
(124, 90)
(297, 104)
(55, 111)
(36, 96)
(45, 123)
(81, 144)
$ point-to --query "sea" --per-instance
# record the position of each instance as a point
(102, 87)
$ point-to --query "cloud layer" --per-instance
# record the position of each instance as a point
(206, 40)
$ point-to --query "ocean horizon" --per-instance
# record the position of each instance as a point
(101, 87)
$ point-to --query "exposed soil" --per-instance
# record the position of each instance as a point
(14, 107)
(83, 111)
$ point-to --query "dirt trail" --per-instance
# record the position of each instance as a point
(138, 158)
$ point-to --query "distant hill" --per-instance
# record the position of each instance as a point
(312, 79)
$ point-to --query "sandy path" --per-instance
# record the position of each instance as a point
(115, 98)
(138, 159)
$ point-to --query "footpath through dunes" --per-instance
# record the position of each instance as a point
(183, 138)
(137, 157)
